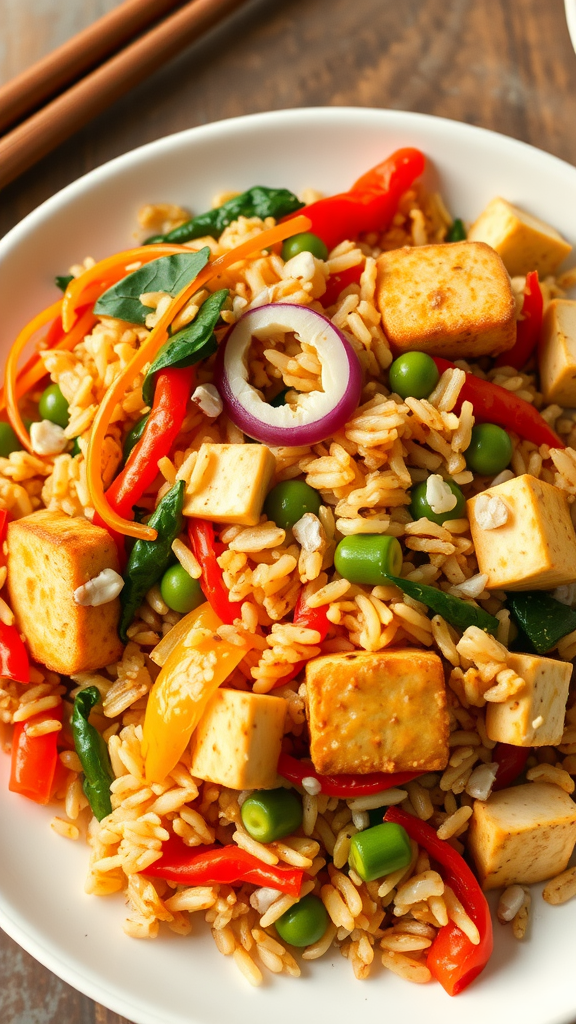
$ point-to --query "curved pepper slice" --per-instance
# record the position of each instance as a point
(201, 534)
(511, 763)
(14, 662)
(310, 618)
(344, 786)
(35, 758)
(528, 329)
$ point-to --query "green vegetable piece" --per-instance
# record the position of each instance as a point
(420, 509)
(279, 399)
(63, 280)
(255, 202)
(543, 619)
(271, 814)
(379, 850)
(414, 375)
(304, 923)
(190, 345)
(166, 274)
(288, 501)
(368, 558)
(180, 592)
(304, 242)
(458, 613)
(75, 449)
(8, 441)
(133, 436)
(149, 559)
(93, 753)
(457, 233)
(53, 406)
(490, 449)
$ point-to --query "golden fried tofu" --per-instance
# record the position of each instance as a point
(229, 483)
(535, 716)
(524, 242)
(534, 546)
(450, 300)
(523, 834)
(557, 353)
(50, 555)
(377, 712)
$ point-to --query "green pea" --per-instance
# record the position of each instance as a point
(53, 406)
(8, 441)
(457, 233)
(305, 242)
(414, 375)
(379, 850)
(270, 814)
(368, 558)
(180, 592)
(304, 923)
(420, 509)
(288, 501)
(133, 436)
(490, 449)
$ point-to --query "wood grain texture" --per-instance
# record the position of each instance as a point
(504, 65)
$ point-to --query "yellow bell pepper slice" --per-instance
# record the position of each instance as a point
(202, 617)
(193, 671)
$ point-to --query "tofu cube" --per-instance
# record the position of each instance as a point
(237, 741)
(524, 242)
(524, 834)
(377, 712)
(232, 485)
(49, 556)
(535, 716)
(451, 300)
(535, 548)
(557, 353)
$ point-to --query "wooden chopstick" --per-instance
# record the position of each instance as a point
(58, 69)
(42, 132)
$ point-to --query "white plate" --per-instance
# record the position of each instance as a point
(571, 19)
(42, 904)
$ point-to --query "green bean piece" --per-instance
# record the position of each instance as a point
(304, 923)
(368, 558)
(270, 814)
(379, 850)
(289, 500)
(93, 753)
(456, 233)
(180, 592)
(8, 441)
(255, 202)
(133, 436)
(458, 613)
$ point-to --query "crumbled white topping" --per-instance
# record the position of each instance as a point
(100, 590)
(438, 495)
(308, 532)
(502, 477)
(510, 902)
(566, 594)
(538, 722)
(472, 587)
(302, 266)
(311, 785)
(361, 820)
(262, 899)
(47, 438)
(490, 511)
(207, 398)
(479, 785)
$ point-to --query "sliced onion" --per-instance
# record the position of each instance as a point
(319, 414)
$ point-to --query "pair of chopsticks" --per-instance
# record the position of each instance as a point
(80, 79)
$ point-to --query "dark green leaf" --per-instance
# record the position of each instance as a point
(457, 233)
(166, 274)
(458, 613)
(149, 559)
(543, 619)
(255, 202)
(62, 281)
(93, 753)
(190, 345)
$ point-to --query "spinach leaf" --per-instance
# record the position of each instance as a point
(458, 613)
(543, 619)
(93, 753)
(166, 274)
(255, 202)
(62, 281)
(189, 345)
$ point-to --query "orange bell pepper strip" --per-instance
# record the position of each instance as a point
(11, 370)
(195, 669)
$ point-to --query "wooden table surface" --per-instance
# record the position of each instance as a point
(503, 64)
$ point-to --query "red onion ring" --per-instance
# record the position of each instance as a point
(319, 413)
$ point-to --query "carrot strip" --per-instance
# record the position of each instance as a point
(11, 371)
(146, 353)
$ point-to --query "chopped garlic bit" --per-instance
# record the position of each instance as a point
(438, 495)
(207, 398)
(479, 785)
(308, 532)
(47, 438)
(311, 785)
(566, 594)
(100, 590)
(472, 587)
(490, 511)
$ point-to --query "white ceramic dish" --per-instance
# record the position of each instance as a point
(571, 19)
(42, 902)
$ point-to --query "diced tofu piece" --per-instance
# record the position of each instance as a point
(535, 716)
(451, 300)
(49, 556)
(524, 834)
(524, 242)
(237, 741)
(233, 484)
(557, 353)
(377, 712)
(535, 547)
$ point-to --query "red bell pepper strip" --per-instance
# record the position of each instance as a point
(34, 758)
(453, 960)
(224, 865)
(338, 282)
(201, 534)
(493, 404)
(341, 785)
(310, 618)
(14, 662)
(511, 763)
(528, 329)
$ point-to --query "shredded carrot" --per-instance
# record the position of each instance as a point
(146, 353)
(11, 371)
